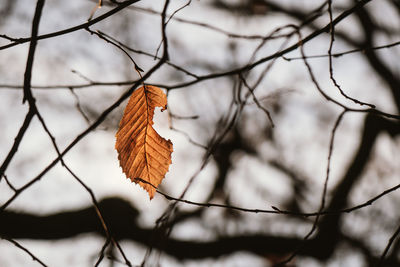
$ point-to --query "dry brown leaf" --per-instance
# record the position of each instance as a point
(142, 152)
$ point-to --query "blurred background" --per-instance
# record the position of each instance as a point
(252, 113)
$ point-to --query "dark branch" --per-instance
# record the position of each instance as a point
(75, 28)
(123, 225)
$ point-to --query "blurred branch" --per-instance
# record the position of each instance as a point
(373, 126)
(264, 7)
(251, 91)
(375, 62)
(6, 11)
(71, 223)
(389, 244)
(323, 195)
(78, 105)
(210, 26)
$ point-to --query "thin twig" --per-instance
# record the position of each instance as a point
(101, 36)
(214, 28)
(180, 117)
(339, 54)
(166, 23)
(80, 75)
(266, 111)
(168, 62)
(102, 252)
(78, 105)
(335, 83)
(75, 28)
(389, 244)
(188, 138)
(18, 245)
(274, 209)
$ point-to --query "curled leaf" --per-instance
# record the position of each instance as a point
(142, 152)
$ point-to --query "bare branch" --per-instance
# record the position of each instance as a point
(75, 28)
